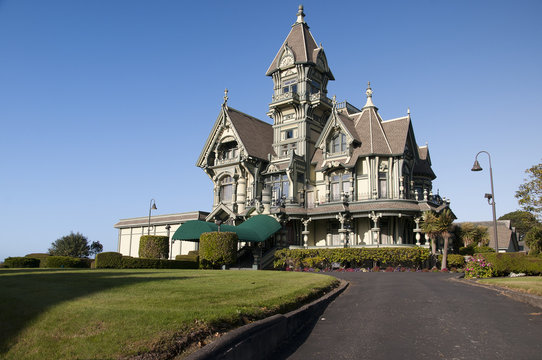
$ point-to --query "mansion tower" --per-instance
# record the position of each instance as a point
(331, 173)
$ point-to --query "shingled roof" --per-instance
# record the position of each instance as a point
(256, 135)
(301, 42)
(423, 166)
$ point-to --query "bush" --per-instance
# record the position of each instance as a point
(154, 247)
(41, 256)
(352, 257)
(217, 249)
(533, 239)
(142, 263)
(21, 262)
(478, 267)
(66, 262)
(109, 260)
(505, 263)
(473, 249)
(453, 260)
(189, 257)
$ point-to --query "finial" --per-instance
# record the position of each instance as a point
(225, 96)
(408, 111)
(300, 15)
(334, 100)
(369, 94)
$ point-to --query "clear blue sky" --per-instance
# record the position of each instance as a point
(107, 104)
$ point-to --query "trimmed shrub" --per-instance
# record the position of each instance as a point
(109, 260)
(453, 260)
(217, 249)
(21, 262)
(154, 247)
(505, 263)
(352, 257)
(66, 262)
(189, 257)
(142, 263)
(41, 256)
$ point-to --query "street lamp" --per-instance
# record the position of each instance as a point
(490, 197)
(152, 206)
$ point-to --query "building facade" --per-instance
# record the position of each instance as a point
(332, 173)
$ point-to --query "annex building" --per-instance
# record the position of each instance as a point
(332, 173)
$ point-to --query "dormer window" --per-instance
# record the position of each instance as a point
(289, 86)
(337, 143)
(228, 151)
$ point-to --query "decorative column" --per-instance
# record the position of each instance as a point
(342, 231)
(241, 194)
(266, 199)
(425, 194)
(306, 232)
(375, 231)
(401, 187)
(418, 230)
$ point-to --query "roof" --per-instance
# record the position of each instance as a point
(423, 166)
(301, 42)
(256, 135)
(505, 232)
(256, 229)
(161, 219)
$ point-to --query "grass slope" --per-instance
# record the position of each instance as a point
(75, 314)
(527, 284)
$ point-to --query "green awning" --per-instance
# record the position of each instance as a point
(256, 229)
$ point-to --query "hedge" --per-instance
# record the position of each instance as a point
(453, 261)
(41, 256)
(217, 249)
(114, 260)
(351, 257)
(21, 262)
(154, 247)
(67, 262)
(109, 260)
(505, 263)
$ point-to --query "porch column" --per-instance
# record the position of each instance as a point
(306, 232)
(241, 194)
(417, 230)
(375, 231)
(266, 199)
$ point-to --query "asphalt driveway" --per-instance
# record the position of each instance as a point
(419, 316)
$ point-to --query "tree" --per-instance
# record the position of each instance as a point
(471, 234)
(444, 225)
(533, 239)
(523, 221)
(429, 227)
(96, 248)
(530, 193)
(75, 245)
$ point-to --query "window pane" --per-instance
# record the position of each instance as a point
(226, 193)
(335, 192)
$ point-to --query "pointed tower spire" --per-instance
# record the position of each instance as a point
(369, 94)
(300, 15)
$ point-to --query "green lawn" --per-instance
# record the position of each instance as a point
(75, 314)
(528, 284)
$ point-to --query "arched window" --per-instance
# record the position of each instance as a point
(226, 189)
(337, 143)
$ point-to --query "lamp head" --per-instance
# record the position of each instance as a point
(154, 207)
(476, 166)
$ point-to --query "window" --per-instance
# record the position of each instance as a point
(279, 186)
(337, 143)
(226, 189)
(315, 87)
(228, 151)
(289, 86)
(289, 134)
(383, 184)
(284, 149)
(340, 183)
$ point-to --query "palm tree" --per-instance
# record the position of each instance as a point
(429, 227)
(444, 226)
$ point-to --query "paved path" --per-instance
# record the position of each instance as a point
(420, 316)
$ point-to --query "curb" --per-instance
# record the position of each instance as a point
(255, 340)
(530, 299)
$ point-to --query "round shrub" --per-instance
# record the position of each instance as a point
(154, 247)
(217, 249)
(21, 262)
(109, 260)
(66, 262)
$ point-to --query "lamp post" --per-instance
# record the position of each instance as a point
(152, 206)
(490, 197)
